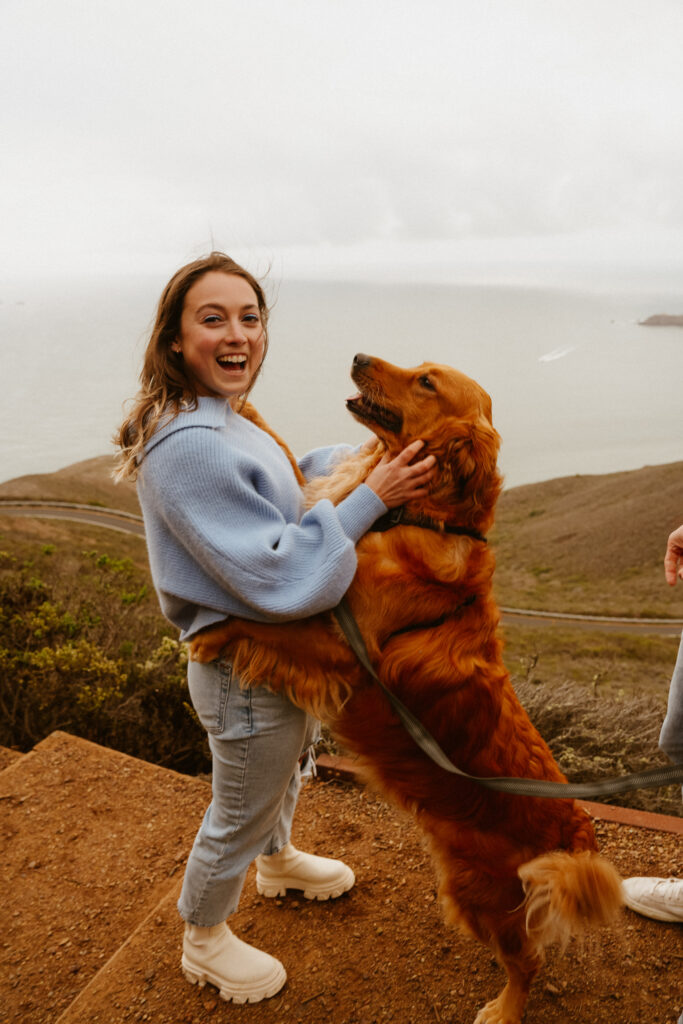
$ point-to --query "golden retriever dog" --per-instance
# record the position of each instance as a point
(516, 872)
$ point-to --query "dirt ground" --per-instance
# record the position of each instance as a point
(406, 966)
(381, 953)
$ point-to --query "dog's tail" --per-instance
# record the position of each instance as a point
(568, 893)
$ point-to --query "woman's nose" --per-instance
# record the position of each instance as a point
(235, 330)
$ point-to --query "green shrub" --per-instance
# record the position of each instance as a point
(88, 652)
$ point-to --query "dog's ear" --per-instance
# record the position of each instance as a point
(472, 452)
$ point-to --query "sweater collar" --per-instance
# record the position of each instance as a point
(210, 412)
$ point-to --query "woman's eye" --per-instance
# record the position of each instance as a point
(426, 383)
(212, 318)
(251, 318)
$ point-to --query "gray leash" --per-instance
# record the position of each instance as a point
(650, 779)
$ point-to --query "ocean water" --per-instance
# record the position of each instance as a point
(578, 387)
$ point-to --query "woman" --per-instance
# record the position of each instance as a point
(227, 535)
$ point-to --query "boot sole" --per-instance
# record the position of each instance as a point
(237, 994)
(653, 912)
(280, 888)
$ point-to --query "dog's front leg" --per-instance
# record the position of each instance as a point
(306, 659)
(210, 643)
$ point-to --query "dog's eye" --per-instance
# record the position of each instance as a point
(426, 383)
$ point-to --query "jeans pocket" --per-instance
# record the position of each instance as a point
(209, 687)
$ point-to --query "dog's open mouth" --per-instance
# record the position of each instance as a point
(371, 412)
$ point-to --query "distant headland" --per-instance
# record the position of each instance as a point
(662, 320)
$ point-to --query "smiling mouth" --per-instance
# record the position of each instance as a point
(371, 412)
(236, 363)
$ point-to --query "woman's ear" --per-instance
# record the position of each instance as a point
(175, 347)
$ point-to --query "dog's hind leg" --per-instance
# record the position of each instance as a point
(503, 930)
(521, 969)
(508, 1007)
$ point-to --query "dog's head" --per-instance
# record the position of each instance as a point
(447, 410)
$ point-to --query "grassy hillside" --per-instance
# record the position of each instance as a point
(87, 482)
(591, 544)
(83, 646)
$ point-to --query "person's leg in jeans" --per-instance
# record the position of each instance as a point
(671, 736)
(256, 739)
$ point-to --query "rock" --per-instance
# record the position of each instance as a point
(662, 320)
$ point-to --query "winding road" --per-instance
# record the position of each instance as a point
(112, 518)
(128, 522)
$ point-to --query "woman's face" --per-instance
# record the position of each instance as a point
(221, 337)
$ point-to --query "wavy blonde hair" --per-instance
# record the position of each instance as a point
(165, 386)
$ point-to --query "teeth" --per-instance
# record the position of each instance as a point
(232, 359)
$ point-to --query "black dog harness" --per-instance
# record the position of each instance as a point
(398, 517)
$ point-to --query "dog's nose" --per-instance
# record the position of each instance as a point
(361, 360)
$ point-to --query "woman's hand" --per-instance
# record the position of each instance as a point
(673, 559)
(396, 481)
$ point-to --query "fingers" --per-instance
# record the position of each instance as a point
(415, 475)
(404, 468)
(415, 469)
(400, 479)
(423, 471)
(409, 452)
(411, 478)
(673, 559)
(670, 565)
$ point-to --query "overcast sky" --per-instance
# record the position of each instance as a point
(335, 135)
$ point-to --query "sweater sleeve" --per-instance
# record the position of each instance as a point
(321, 461)
(224, 509)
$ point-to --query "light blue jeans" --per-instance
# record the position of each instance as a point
(257, 739)
(671, 736)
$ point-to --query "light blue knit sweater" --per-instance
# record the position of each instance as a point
(226, 530)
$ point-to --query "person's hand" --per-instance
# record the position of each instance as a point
(673, 559)
(396, 481)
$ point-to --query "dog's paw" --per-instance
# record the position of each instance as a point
(207, 646)
(496, 1012)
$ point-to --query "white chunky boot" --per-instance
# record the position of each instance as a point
(320, 878)
(242, 973)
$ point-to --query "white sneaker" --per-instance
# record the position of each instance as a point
(242, 973)
(320, 878)
(660, 898)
